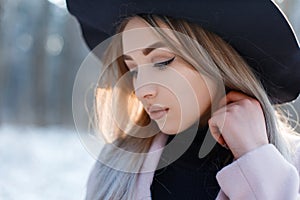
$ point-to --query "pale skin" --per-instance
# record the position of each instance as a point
(244, 128)
(239, 122)
(176, 86)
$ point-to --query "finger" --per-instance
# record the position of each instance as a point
(225, 108)
(218, 117)
(234, 96)
(222, 142)
(215, 132)
(220, 111)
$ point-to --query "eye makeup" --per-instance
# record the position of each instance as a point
(162, 65)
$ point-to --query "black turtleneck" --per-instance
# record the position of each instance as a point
(189, 177)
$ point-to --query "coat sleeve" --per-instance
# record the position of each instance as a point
(260, 174)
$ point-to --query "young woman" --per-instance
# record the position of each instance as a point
(168, 85)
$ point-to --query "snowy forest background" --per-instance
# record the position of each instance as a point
(41, 49)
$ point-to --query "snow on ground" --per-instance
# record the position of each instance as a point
(42, 164)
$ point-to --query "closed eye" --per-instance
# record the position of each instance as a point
(162, 65)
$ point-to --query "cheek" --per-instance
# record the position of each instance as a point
(206, 91)
(197, 100)
(183, 112)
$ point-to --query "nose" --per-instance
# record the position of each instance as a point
(146, 91)
(144, 87)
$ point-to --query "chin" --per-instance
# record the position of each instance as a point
(172, 127)
(170, 130)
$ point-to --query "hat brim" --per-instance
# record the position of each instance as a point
(257, 29)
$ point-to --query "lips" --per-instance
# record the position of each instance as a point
(157, 112)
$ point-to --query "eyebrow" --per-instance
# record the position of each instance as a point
(147, 50)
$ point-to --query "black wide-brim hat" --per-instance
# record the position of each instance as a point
(257, 29)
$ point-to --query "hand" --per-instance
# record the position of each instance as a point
(239, 124)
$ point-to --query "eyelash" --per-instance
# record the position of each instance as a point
(160, 66)
(163, 65)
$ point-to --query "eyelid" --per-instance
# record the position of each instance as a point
(161, 55)
(160, 64)
(164, 63)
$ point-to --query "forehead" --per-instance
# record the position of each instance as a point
(139, 35)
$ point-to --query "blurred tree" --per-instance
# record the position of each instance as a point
(38, 65)
(40, 52)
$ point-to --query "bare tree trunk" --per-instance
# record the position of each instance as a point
(38, 65)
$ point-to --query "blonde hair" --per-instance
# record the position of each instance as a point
(211, 56)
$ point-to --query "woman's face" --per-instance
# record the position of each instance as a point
(172, 92)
